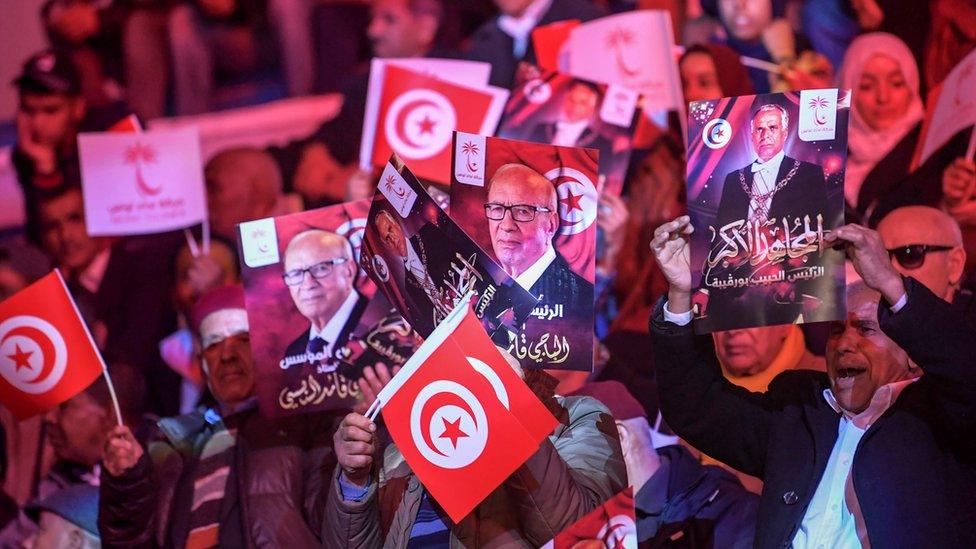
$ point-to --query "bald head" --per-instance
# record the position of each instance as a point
(242, 184)
(519, 244)
(320, 263)
(911, 228)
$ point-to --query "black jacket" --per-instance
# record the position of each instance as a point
(805, 194)
(490, 44)
(914, 471)
(704, 506)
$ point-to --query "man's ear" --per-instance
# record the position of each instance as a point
(957, 264)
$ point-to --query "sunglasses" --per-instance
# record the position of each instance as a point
(912, 256)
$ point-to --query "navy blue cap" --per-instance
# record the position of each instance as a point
(76, 504)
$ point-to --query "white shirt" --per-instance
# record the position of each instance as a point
(416, 266)
(91, 278)
(764, 179)
(568, 133)
(530, 276)
(330, 332)
(520, 27)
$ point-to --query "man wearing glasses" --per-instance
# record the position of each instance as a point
(319, 273)
(926, 244)
(522, 220)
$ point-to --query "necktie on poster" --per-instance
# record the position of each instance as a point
(46, 353)
(460, 414)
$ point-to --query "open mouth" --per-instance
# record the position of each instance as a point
(843, 373)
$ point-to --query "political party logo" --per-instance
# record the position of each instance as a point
(396, 190)
(537, 91)
(139, 155)
(419, 123)
(33, 355)
(619, 532)
(259, 241)
(618, 106)
(469, 159)
(448, 425)
(818, 115)
(577, 199)
(717, 133)
(620, 41)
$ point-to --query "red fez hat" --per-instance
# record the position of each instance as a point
(218, 299)
(615, 396)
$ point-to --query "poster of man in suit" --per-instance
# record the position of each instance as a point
(306, 300)
(559, 109)
(765, 186)
(533, 206)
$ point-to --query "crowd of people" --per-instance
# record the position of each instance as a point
(839, 434)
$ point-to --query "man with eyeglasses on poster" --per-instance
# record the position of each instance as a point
(925, 243)
(523, 219)
(320, 272)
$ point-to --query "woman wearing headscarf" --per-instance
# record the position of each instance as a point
(886, 116)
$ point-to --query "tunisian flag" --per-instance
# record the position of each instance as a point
(46, 353)
(418, 115)
(461, 416)
(613, 525)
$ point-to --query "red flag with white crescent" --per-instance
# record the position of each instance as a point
(418, 115)
(461, 416)
(46, 353)
(612, 525)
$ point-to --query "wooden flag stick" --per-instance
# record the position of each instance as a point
(191, 242)
(760, 64)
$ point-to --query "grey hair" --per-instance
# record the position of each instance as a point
(784, 116)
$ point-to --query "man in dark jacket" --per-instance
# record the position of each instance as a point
(506, 40)
(874, 452)
(679, 502)
(225, 476)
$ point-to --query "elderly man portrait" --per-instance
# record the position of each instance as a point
(224, 475)
(772, 189)
(876, 452)
(523, 219)
(319, 271)
(577, 113)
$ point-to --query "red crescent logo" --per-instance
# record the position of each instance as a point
(435, 403)
(144, 187)
(47, 349)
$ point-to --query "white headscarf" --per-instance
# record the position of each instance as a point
(867, 146)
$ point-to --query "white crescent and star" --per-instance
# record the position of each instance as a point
(577, 199)
(419, 123)
(33, 355)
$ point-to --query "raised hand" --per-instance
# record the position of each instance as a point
(355, 444)
(871, 260)
(671, 247)
(958, 181)
(373, 380)
(122, 451)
